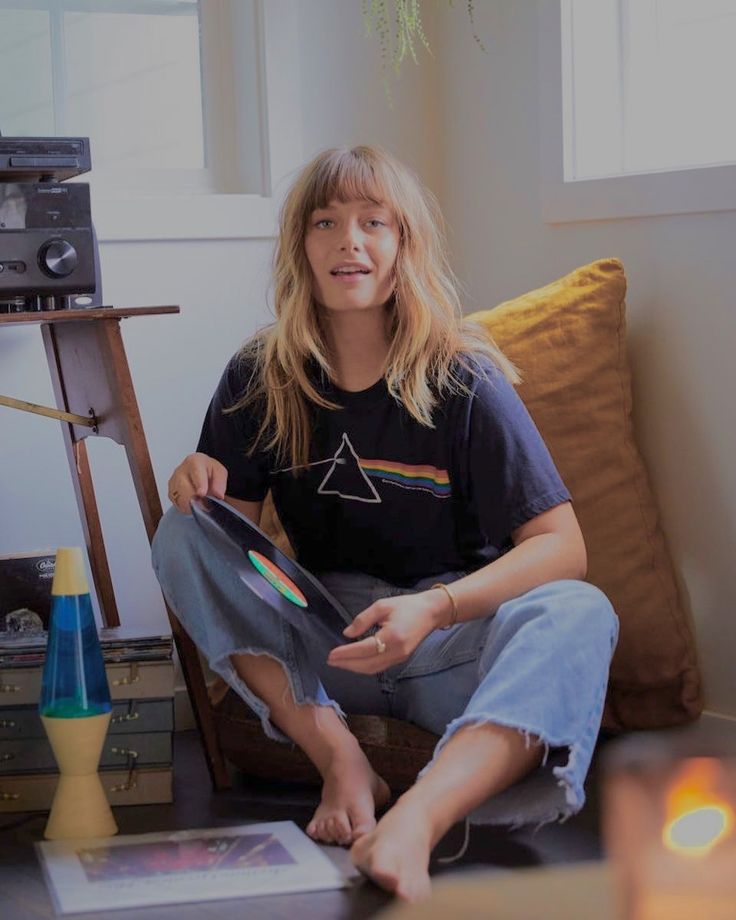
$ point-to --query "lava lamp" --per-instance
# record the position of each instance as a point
(75, 705)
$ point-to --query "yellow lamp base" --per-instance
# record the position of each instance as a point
(80, 807)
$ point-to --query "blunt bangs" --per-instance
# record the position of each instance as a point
(348, 175)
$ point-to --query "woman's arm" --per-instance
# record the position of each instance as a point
(547, 548)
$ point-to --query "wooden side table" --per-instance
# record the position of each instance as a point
(95, 396)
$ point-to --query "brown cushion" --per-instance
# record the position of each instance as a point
(568, 339)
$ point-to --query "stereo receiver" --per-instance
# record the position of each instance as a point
(46, 240)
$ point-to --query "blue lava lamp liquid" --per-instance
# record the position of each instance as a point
(74, 682)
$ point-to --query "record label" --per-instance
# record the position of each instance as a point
(280, 580)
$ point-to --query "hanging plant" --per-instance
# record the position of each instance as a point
(398, 26)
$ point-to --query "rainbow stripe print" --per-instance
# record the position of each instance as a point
(408, 476)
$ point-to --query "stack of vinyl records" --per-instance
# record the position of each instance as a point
(136, 762)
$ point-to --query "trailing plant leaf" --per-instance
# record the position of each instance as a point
(400, 31)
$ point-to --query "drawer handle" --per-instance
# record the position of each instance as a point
(134, 677)
(9, 796)
(125, 752)
(4, 757)
(130, 783)
(9, 688)
(7, 723)
(128, 717)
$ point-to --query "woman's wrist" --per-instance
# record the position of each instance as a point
(444, 609)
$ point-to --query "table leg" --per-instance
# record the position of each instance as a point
(84, 490)
(90, 373)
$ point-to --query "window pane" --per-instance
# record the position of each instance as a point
(592, 86)
(684, 96)
(26, 96)
(649, 85)
(133, 85)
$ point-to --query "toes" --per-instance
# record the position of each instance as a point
(316, 830)
(383, 877)
(413, 889)
(340, 829)
(360, 851)
(335, 829)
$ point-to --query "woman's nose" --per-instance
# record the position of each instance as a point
(350, 237)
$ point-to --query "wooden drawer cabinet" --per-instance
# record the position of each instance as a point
(141, 786)
(133, 680)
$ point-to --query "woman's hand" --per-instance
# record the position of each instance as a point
(404, 621)
(198, 475)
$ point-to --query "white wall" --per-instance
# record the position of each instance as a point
(682, 325)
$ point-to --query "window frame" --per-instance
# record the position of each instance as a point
(122, 215)
(189, 180)
(676, 191)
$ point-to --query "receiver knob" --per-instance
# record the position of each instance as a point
(58, 258)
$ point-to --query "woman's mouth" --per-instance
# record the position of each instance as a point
(352, 276)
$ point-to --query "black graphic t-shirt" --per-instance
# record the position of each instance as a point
(385, 495)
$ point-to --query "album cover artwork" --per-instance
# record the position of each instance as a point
(186, 866)
(25, 592)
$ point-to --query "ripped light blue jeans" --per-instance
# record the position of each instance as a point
(540, 664)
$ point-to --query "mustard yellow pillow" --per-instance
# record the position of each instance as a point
(568, 339)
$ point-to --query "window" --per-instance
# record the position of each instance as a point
(179, 98)
(636, 107)
(149, 81)
(647, 85)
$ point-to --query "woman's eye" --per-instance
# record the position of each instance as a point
(375, 221)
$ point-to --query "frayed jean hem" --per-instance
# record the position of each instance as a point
(526, 801)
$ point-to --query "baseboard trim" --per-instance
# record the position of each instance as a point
(722, 726)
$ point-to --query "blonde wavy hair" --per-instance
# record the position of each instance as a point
(429, 340)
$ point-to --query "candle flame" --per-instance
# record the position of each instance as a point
(696, 832)
(697, 818)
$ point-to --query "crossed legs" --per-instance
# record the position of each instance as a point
(542, 668)
(477, 762)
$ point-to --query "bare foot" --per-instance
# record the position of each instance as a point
(396, 854)
(351, 793)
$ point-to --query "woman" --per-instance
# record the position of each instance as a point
(412, 481)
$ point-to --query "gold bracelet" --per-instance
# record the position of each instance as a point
(453, 618)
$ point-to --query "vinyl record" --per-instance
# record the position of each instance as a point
(285, 586)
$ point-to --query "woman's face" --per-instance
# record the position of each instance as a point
(351, 248)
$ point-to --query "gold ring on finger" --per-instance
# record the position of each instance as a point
(380, 645)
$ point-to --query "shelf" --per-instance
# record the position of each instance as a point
(71, 316)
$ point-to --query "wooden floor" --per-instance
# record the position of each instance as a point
(23, 894)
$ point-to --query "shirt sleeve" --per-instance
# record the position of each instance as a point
(228, 436)
(511, 477)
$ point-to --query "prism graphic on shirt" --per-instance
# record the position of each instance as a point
(349, 476)
(346, 478)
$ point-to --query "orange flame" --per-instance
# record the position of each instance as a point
(697, 818)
